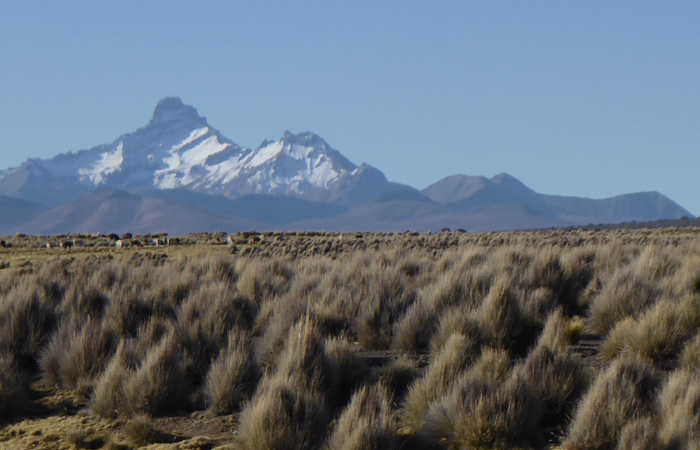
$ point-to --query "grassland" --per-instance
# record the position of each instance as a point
(576, 339)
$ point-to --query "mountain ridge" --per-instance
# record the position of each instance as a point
(178, 161)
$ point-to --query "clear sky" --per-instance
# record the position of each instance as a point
(587, 98)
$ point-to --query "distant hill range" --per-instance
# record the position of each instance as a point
(178, 174)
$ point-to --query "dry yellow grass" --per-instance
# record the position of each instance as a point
(375, 340)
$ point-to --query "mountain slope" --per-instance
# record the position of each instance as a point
(419, 215)
(178, 149)
(462, 193)
(178, 162)
(16, 212)
(271, 209)
(106, 210)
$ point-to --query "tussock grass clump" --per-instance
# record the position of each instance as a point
(555, 334)
(203, 324)
(625, 391)
(455, 320)
(477, 414)
(263, 280)
(295, 401)
(160, 385)
(640, 434)
(690, 356)
(108, 398)
(79, 353)
(457, 354)
(233, 375)
(14, 387)
(343, 370)
(140, 432)
(679, 405)
(384, 295)
(660, 334)
(366, 423)
(501, 322)
(396, 377)
(412, 333)
(627, 294)
(27, 322)
(556, 378)
(284, 414)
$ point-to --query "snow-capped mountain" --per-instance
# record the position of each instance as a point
(178, 149)
(179, 174)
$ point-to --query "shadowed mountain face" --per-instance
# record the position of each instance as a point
(179, 174)
(461, 192)
(108, 211)
(16, 212)
(270, 209)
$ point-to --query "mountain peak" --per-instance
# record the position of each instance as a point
(306, 138)
(507, 180)
(171, 109)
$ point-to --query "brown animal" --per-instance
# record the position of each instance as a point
(127, 236)
(66, 245)
(136, 243)
(113, 236)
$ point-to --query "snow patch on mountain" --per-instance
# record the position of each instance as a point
(186, 162)
(108, 163)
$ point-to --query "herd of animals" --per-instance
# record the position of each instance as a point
(126, 240)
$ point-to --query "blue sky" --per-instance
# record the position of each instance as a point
(587, 98)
